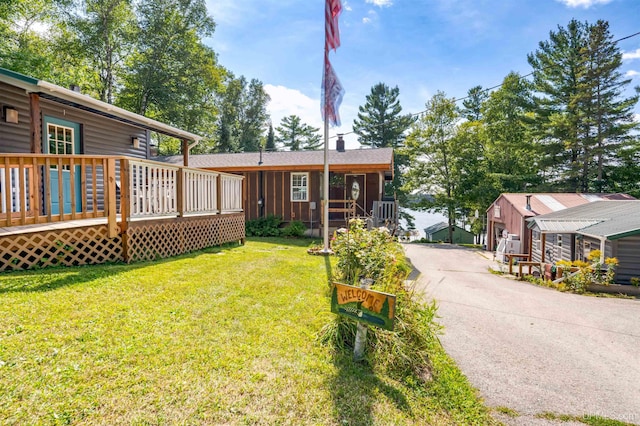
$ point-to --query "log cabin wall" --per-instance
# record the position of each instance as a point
(14, 138)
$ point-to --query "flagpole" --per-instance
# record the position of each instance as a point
(325, 191)
(331, 98)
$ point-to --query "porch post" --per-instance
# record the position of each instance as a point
(36, 123)
(112, 220)
(125, 200)
(185, 152)
(543, 237)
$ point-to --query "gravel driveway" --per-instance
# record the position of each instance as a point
(529, 348)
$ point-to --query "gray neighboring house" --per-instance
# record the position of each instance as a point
(613, 227)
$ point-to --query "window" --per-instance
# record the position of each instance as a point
(299, 186)
(60, 141)
(496, 211)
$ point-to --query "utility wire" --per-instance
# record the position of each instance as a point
(416, 114)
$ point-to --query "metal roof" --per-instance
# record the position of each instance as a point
(602, 219)
(87, 103)
(382, 158)
(543, 203)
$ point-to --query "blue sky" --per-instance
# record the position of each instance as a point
(421, 46)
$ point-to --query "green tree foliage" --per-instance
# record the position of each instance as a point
(510, 153)
(103, 32)
(380, 122)
(243, 115)
(433, 148)
(172, 75)
(582, 122)
(472, 110)
(270, 143)
(26, 31)
(295, 135)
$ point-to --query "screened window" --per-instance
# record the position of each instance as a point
(299, 186)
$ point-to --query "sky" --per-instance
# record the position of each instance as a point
(420, 46)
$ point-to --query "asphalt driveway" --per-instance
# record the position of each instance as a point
(529, 348)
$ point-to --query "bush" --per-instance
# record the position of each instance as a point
(295, 229)
(587, 273)
(264, 227)
(375, 254)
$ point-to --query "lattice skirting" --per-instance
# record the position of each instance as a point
(146, 240)
(165, 238)
(70, 247)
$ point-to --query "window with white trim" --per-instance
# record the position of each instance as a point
(60, 141)
(299, 186)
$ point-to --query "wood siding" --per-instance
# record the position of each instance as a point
(99, 135)
(277, 196)
(627, 251)
(15, 138)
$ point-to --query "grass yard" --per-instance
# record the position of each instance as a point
(221, 336)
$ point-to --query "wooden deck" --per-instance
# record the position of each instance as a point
(73, 210)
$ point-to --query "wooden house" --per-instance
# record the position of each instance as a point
(440, 232)
(77, 185)
(613, 227)
(508, 214)
(289, 184)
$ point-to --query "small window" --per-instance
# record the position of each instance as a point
(496, 211)
(299, 186)
(559, 240)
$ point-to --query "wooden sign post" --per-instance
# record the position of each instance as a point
(366, 307)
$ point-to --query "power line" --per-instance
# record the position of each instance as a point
(416, 114)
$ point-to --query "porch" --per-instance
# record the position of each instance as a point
(82, 209)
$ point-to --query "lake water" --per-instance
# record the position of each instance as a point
(424, 219)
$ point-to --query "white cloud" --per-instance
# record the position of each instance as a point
(370, 18)
(286, 102)
(636, 117)
(380, 3)
(631, 73)
(346, 6)
(631, 55)
(583, 3)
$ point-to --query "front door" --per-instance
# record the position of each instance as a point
(63, 138)
(354, 188)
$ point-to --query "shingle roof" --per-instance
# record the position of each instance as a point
(382, 157)
(605, 219)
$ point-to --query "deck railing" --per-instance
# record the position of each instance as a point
(40, 188)
(385, 213)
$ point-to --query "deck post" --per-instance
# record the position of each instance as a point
(180, 183)
(125, 206)
(110, 184)
(35, 123)
(219, 193)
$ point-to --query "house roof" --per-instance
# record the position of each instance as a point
(364, 159)
(600, 219)
(543, 203)
(435, 228)
(78, 100)
(440, 226)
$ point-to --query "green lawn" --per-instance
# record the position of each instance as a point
(221, 336)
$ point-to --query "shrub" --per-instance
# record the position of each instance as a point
(589, 273)
(295, 229)
(268, 226)
(375, 254)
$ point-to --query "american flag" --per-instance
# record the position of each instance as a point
(332, 93)
(332, 33)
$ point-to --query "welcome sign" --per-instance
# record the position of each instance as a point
(364, 305)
